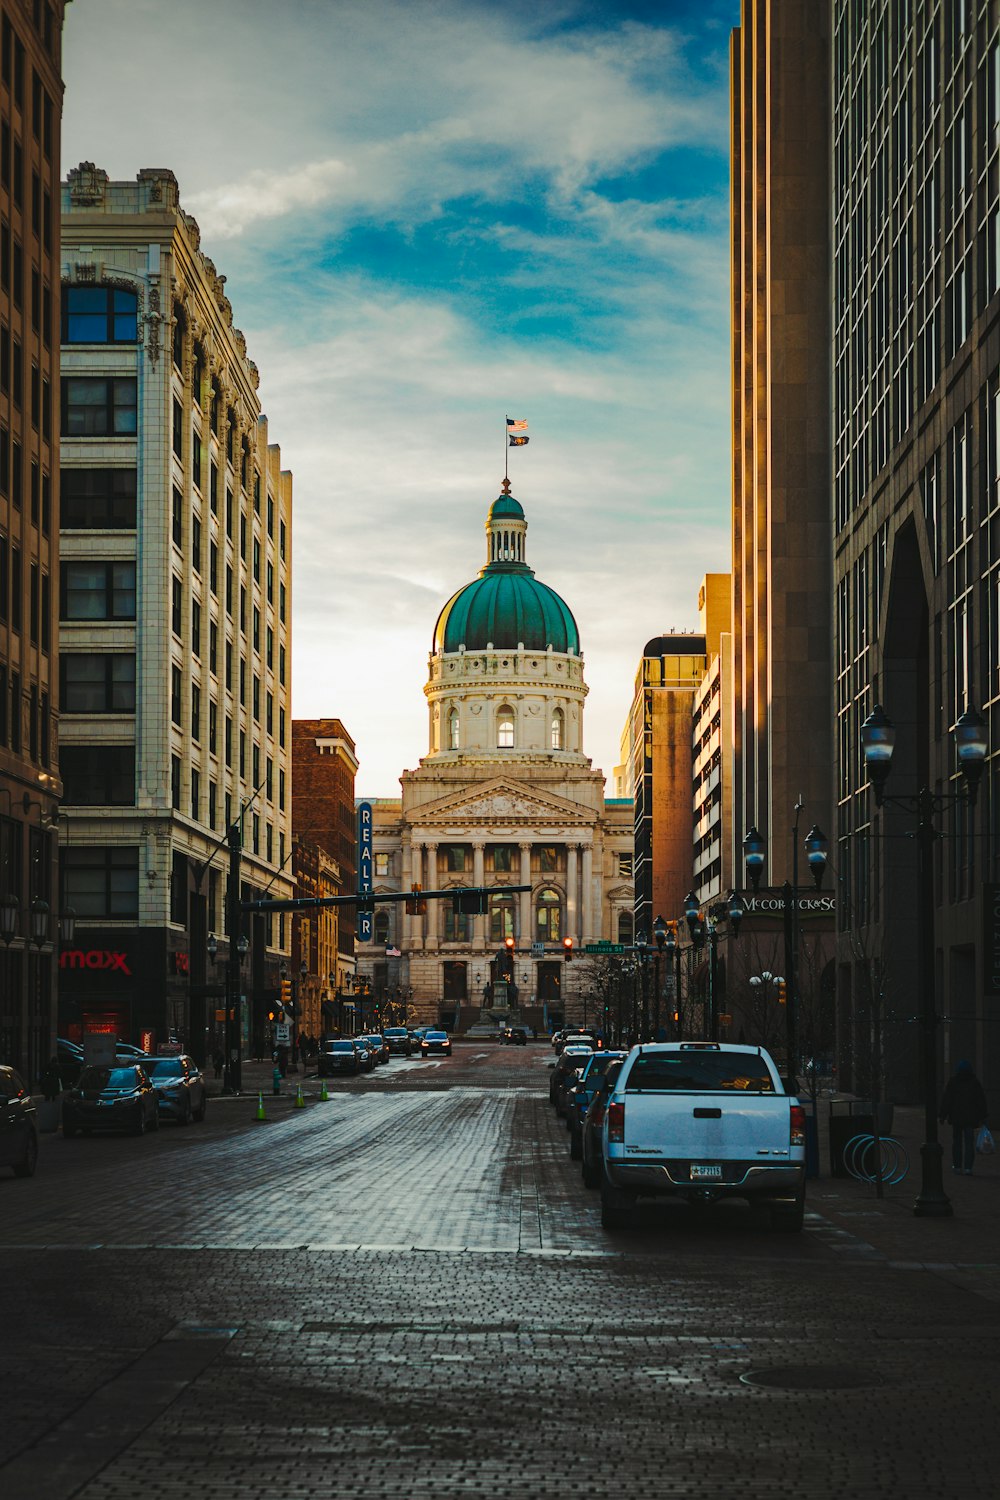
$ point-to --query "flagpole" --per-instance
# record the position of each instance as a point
(506, 449)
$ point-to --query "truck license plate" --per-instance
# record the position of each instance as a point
(701, 1170)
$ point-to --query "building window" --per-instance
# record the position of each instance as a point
(382, 864)
(454, 859)
(100, 882)
(177, 607)
(176, 708)
(501, 918)
(625, 928)
(548, 917)
(453, 729)
(178, 433)
(456, 925)
(548, 858)
(625, 865)
(97, 499)
(98, 775)
(95, 406)
(558, 726)
(196, 794)
(381, 926)
(502, 858)
(195, 628)
(98, 591)
(175, 782)
(95, 683)
(195, 711)
(99, 315)
(505, 729)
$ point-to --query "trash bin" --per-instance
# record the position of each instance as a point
(843, 1128)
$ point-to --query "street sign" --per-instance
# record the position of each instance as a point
(538, 950)
(281, 1035)
(603, 947)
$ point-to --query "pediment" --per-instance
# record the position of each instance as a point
(503, 802)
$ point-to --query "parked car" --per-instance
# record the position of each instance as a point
(118, 1098)
(516, 1036)
(70, 1059)
(435, 1044)
(366, 1056)
(126, 1049)
(398, 1040)
(590, 1140)
(338, 1055)
(703, 1121)
(18, 1125)
(578, 1096)
(378, 1046)
(565, 1068)
(181, 1094)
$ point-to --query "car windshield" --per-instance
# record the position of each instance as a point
(164, 1067)
(437, 1036)
(699, 1073)
(596, 1068)
(107, 1078)
(396, 1031)
(340, 1046)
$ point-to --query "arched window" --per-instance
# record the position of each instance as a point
(197, 374)
(558, 728)
(453, 729)
(505, 729)
(456, 925)
(381, 927)
(501, 918)
(625, 928)
(548, 917)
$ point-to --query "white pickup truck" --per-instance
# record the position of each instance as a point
(701, 1121)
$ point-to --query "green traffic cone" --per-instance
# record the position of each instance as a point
(300, 1102)
(261, 1112)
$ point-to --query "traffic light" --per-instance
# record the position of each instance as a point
(782, 996)
(470, 903)
(273, 1014)
(416, 905)
(286, 994)
(508, 958)
(567, 948)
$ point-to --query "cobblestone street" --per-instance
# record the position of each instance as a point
(406, 1290)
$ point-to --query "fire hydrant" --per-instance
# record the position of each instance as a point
(276, 1080)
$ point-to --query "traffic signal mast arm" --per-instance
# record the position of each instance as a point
(368, 900)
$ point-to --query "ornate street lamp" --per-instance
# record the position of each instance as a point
(753, 855)
(38, 918)
(66, 921)
(9, 909)
(212, 946)
(878, 740)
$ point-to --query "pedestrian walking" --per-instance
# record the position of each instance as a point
(218, 1062)
(51, 1080)
(963, 1105)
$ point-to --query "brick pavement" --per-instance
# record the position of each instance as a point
(543, 1358)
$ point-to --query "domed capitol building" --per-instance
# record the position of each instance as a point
(505, 796)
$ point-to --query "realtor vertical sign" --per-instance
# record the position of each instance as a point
(364, 868)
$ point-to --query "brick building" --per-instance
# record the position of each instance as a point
(324, 765)
(315, 941)
(30, 110)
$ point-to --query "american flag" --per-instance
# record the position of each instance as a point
(517, 425)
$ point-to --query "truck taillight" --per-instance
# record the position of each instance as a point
(616, 1122)
(798, 1125)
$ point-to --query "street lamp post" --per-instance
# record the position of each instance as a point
(878, 740)
(642, 953)
(660, 934)
(816, 847)
(673, 949)
(705, 925)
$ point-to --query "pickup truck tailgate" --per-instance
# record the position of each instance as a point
(709, 1127)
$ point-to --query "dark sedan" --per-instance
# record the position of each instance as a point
(120, 1098)
(377, 1045)
(564, 1074)
(590, 1135)
(435, 1044)
(338, 1055)
(579, 1095)
(18, 1127)
(181, 1094)
(398, 1039)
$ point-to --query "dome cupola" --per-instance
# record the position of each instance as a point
(506, 606)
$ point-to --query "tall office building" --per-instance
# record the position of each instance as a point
(916, 235)
(781, 562)
(30, 112)
(324, 765)
(657, 746)
(711, 733)
(175, 607)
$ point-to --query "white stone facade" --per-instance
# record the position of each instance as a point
(512, 803)
(211, 547)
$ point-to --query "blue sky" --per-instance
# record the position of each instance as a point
(432, 214)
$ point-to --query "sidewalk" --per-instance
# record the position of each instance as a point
(968, 1241)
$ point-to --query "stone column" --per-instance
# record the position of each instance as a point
(433, 923)
(416, 878)
(572, 894)
(480, 925)
(407, 927)
(526, 934)
(588, 894)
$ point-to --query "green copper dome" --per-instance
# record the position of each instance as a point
(506, 606)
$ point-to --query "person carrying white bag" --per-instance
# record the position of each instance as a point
(963, 1105)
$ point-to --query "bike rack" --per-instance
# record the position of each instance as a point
(859, 1159)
